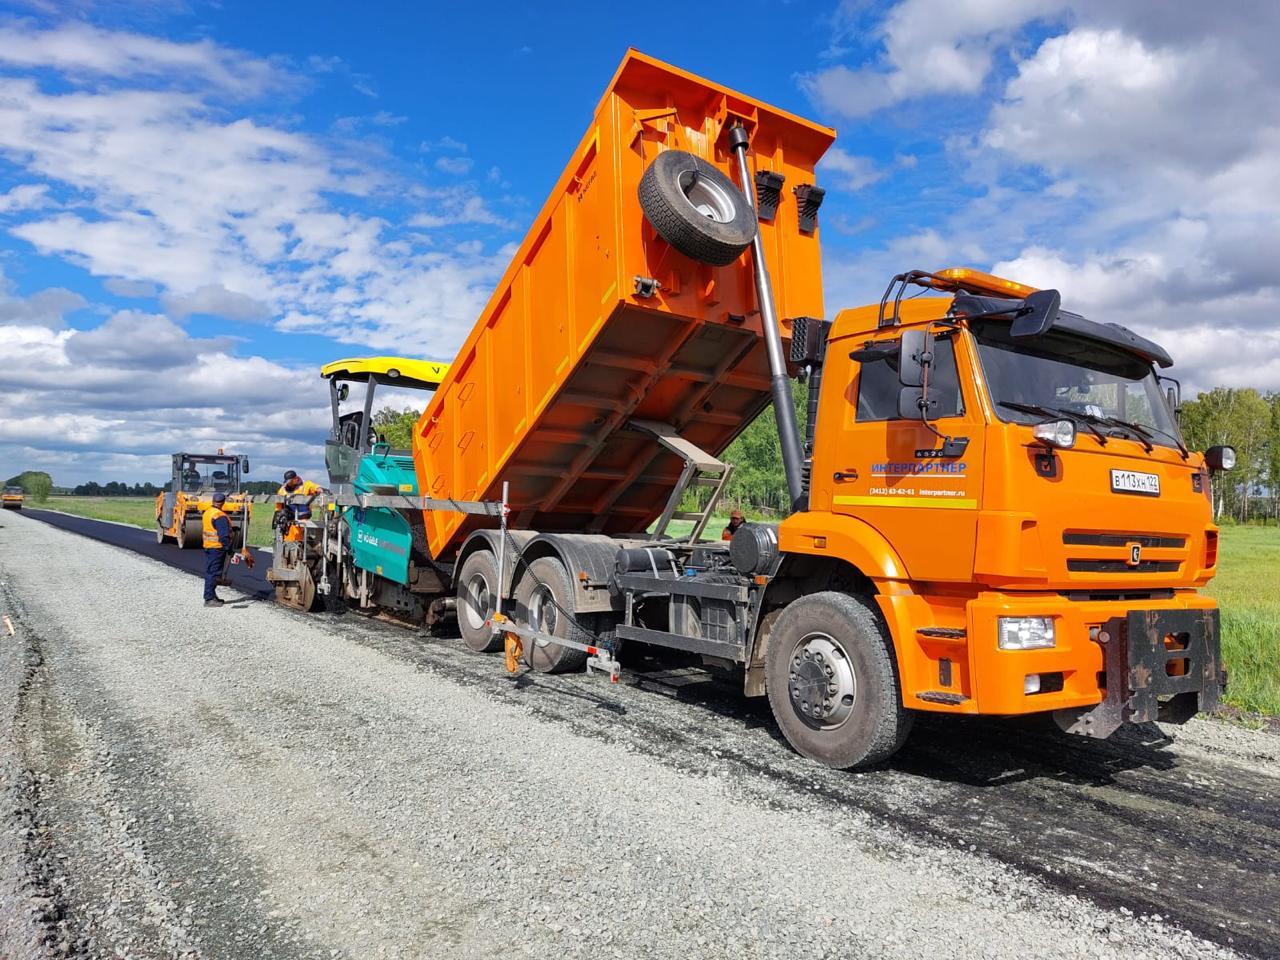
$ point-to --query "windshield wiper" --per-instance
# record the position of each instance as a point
(1054, 413)
(1145, 432)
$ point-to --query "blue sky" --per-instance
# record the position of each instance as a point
(200, 203)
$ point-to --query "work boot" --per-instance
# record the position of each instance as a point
(215, 602)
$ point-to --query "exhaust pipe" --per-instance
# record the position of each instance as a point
(784, 410)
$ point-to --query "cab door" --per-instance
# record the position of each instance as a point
(893, 472)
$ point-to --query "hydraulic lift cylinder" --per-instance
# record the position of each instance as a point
(784, 410)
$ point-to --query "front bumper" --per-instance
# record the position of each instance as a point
(1166, 665)
(1116, 660)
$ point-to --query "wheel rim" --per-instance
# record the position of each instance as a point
(543, 615)
(821, 682)
(707, 197)
(476, 600)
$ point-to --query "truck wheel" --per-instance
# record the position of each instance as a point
(832, 682)
(542, 597)
(696, 208)
(477, 593)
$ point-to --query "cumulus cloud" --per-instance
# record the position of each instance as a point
(80, 50)
(146, 162)
(213, 299)
(926, 47)
(129, 288)
(113, 401)
(1126, 158)
(170, 182)
(45, 308)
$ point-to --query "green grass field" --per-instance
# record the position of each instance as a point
(1248, 590)
(1247, 587)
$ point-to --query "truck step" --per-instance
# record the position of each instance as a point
(942, 633)
(942, 696)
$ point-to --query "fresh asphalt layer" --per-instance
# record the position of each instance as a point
(1177, 826)
(138, 540)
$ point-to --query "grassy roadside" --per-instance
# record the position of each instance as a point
(1246, 587)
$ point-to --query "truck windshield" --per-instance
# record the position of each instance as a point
(1064, 373)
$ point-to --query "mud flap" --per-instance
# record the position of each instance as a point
(1160, 665)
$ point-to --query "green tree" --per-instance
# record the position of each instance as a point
(396, 426)
(1240, 418)
(36, 484)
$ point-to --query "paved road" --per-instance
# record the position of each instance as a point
(1184, 827)
(138, 540)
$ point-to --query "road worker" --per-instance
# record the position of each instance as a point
(290, 511)
(217, 546)
(736, 519)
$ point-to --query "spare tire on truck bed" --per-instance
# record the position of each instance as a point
(696, 208)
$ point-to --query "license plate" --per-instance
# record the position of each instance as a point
(1130, 481)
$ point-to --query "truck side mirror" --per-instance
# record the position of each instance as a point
(1039, 312)
(915, 352)
(1220, 458)
(244, 464)
(344, 391)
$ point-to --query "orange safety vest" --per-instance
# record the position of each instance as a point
(211, 538)
(305, 489)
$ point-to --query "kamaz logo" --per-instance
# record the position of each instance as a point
(1135, 554)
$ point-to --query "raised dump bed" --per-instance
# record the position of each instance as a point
(578, 340)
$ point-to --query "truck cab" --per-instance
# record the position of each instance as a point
(12, 497)
(1024, 509)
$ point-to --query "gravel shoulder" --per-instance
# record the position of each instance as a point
(248, 782)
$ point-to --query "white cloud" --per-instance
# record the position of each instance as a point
(129, 288)
(455, 165)
(26, 196)
(83, 50)
(1128, 159)
(173, 185)
(213, 299)
(45, 308)
(849, 171)
(113, 401)
(927, 47)
(151, 164)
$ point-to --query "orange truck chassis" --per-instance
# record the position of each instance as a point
(993, 509)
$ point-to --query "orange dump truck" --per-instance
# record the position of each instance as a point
(994, 511)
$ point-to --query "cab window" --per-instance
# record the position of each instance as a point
(878, 385)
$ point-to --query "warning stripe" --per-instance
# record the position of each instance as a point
(947, 503)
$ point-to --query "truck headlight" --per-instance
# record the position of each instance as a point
(1056, 433)
(1025, 633)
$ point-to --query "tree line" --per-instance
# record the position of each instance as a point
(1249, 421)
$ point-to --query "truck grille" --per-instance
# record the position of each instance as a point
(1111, 558)
(1122, 566)
(1076, 539)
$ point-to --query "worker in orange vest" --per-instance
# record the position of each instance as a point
(289, 511)
(217, 545)
(736, 519)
